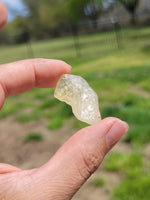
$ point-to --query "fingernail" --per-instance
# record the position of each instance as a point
(116, 132)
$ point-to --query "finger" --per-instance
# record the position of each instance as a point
(5, 168)
(77, 159)
(3, 15)
(24, 75)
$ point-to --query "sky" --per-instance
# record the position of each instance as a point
(15, 8)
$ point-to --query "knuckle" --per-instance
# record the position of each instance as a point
(90, 162)
(3, 88)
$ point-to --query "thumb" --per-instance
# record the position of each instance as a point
(77, 159)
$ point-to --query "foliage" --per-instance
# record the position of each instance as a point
(64, 111)
(12, 108)
(98, 182)
(34, 115)
(136, 180)
(48, 103)
(47, 17)
(3, 36)
(18, 31)
(33, 137)
(84, 8)
(55, 123)
(138, 119)
(128, 164)
(133, 189)
(78, 124)
(53, 13)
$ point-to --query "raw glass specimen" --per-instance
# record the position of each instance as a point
(76, 92)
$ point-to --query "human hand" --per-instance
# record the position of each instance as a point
(75, 161)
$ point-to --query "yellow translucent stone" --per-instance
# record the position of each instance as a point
(75, 91)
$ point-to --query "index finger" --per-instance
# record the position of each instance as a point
(21, 76)
(3, 15)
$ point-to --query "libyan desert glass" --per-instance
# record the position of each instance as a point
(76, 92)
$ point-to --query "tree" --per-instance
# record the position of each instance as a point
(17, 31)
(84, 9)
(46, 16)
(33, 18)
(130, 6)
(53, 14)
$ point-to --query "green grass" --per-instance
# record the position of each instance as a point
(99, 182)
(145, 84)
(34, 115)
(78, 124)
(138, 119)
(134, 189)
(92, 46)
(58, 118)
(48, 103)
(32, 137)
(136, 178)
(130, 164)
(55, 123)
(11, 107)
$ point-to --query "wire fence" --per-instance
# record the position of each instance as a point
(84, 40)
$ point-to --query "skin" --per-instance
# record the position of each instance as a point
(70, 167)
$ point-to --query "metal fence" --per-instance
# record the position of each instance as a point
(85, 39)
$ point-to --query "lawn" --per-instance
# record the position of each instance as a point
(121, 79)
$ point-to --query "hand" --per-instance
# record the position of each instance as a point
(75, 161)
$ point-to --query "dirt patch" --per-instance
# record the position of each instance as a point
(136, 90)
(14, 151)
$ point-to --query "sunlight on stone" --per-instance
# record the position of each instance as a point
(76, 92)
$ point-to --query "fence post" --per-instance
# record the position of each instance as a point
(117, 33)
(26, 36)
(74, 30)
(30, 50)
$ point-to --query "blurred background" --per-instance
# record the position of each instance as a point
(108, 43)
